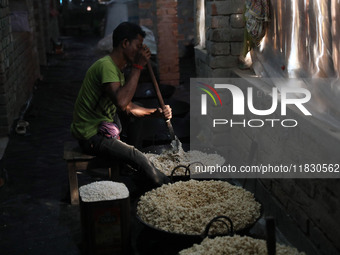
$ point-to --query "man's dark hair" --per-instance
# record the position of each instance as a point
(126, 30)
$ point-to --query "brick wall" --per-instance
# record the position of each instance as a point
(162, 18)
(167, 27)
(185, 12)
(6, 47)
(147, 15)
(313, 207)
(19, 66)
(224, 38)
(306, 210)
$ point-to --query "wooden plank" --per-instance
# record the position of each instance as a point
(73, 182)
(72, 151)
(78, 161)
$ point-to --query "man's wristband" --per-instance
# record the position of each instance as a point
(138, 66)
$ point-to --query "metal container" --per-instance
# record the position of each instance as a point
(196, 237)
(176, 242)
(145, 90)
(106, 226)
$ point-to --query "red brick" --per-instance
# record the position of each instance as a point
(213, 9)
(168, 19)
(161, 12)
(169, 76)
(168, 41)
(168, 68)
(174, 83)
(145, 5)
(168, 53)
(166, 4)
(172, 11)
(145, 22)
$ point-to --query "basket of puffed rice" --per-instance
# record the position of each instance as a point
(236, 245)
(178, 165)
(185, 208)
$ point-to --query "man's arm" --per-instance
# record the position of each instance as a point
(139, 111)
(122, 95)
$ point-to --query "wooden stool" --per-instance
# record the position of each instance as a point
(78, 161)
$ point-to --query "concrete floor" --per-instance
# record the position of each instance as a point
(35, 212)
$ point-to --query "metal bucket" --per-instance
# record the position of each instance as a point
(106, 226)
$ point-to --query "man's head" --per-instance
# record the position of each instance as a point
(126, 31)
(128, 38)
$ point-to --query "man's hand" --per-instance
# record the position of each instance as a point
(167, 114)
(139, 111)
(143, 55)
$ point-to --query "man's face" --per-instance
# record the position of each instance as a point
(133, 47)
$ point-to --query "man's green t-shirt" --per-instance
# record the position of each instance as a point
(93, 106)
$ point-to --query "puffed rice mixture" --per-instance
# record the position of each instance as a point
(103, 190)
(167, 160)
(187, 207)
(236, 245)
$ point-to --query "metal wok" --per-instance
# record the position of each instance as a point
(146, 90)
(199, 237)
